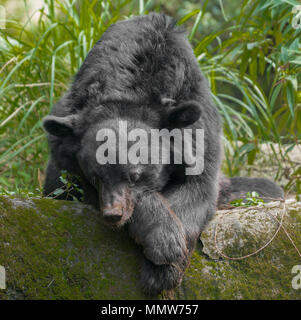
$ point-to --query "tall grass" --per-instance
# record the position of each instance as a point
(252, 63)
(38, 60)
(253, 66)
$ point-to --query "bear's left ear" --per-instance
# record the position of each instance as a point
(60, 126)
(184, 114)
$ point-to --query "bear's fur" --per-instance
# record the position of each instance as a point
(143, 70)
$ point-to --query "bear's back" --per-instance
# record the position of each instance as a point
(140, 60)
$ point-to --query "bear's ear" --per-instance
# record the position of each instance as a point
(184, 114)
(60, 126)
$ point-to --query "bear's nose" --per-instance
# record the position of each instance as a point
(112, 215)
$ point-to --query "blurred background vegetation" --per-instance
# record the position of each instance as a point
(248, 49)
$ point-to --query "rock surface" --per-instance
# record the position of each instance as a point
(62, 250)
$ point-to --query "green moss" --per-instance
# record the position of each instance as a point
(53, 251)
(61, 250)
(266, 275)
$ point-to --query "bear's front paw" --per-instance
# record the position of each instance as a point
(154, 278)
(165, 246)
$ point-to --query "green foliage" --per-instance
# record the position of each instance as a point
(69, 187)
(253, 66)
(248, 50)
(252, 199)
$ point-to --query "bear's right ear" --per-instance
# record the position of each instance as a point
(60, 126)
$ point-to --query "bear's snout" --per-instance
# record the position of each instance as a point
(114, 213)
(119, 208)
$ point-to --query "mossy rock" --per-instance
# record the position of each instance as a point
(62, 250)
(237, 234)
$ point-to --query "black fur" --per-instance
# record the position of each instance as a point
(143, 70)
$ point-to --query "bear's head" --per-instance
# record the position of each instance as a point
(114, 152)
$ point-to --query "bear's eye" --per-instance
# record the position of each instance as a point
(134, 177)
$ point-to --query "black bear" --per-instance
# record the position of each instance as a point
(142, 71)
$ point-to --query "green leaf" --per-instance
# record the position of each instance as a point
(290, 98)
(188, 16)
